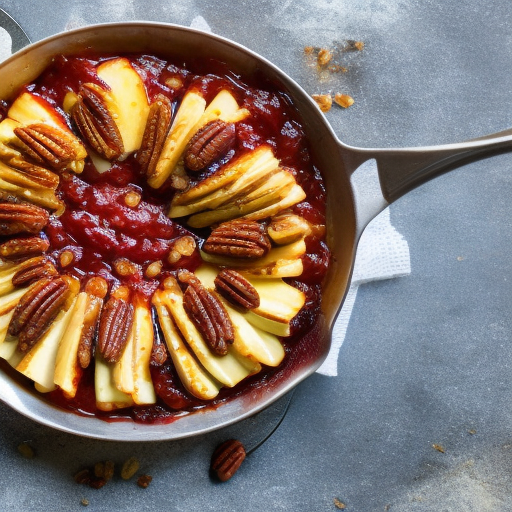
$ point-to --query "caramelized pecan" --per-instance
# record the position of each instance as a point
(157, 126)
(227, 458)
(238, 239)
(159, 350)
(36, 310)
(94, 121)
(19, 217)
(236, 289)
(48, 145)
(207, 314)
(115, 324)
(32, 270)
(96, 289)
(19, 248)
(40, 176)
(209, 144)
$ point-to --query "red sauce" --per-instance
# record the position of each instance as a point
(98, 227)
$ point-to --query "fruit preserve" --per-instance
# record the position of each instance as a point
(162, 236)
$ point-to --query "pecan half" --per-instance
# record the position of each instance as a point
(39, 176)
(157, 126)
(19, 248)
(238, 239)
(32, 270)
(115, 324)
(94, 120)
(209, 144)
(19, 217)
(236, 289)
(227, 458)
(36, 310)
(207, 314)
(49, 145)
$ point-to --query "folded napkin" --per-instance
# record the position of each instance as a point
(382, 253)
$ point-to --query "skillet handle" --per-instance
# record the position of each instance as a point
(402, 170)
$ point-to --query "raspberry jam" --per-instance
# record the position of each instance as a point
(115, 226)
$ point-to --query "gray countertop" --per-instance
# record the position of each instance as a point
(427, 358)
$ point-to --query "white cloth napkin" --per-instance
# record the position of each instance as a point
(382, 253)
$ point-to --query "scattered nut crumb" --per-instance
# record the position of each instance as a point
(438, 447)
(359, 45)
(132, 199)
(153, 269)
(324, 101)
(84, 502)
(343, 100)
(472, 431)
(387, 507)
(324, 57)
(125, 267)
(336, 68)
(308, 50)
(130, 467)
(174, 82)
(339, 504)
(144, 480)
(83, 476)
(26, 450)
(66, 258)
(99, 469)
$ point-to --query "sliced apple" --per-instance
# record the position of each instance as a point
(7, 127)
(253, 342)
(28, 108)
(129, 93)
(279, 301)
(108, 397)
(288, 252)
(11, 299)
(143, 390)
(182, 129)
(279, 269)
(195, 379)
(123, 369)
(287, 227)
(229, 369)
(67, 370)
(42, 197)
(39, 362)
(270, 192)
(233, 179)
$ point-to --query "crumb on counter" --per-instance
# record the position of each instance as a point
(343, 100)
(324, 101)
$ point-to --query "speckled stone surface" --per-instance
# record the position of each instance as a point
(427, 358)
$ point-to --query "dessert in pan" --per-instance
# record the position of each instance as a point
(162, 235)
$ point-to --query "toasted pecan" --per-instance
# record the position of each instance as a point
(238, 239)
(236, 289)
(207, 314)
(20, 217)
(23, 247)
(209, 144)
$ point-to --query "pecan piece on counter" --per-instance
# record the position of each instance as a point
(157, 127)
(19, 248)
(19, 217)
(207, 314)
(236, 289)
(209, 144)
(96, 289)
(94, 120)
(115, 324)
(36, 310)
(49, 145)
(32, 270)
(227, 459)
(238, 239)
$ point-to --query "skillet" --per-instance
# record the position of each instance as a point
(349, 207)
